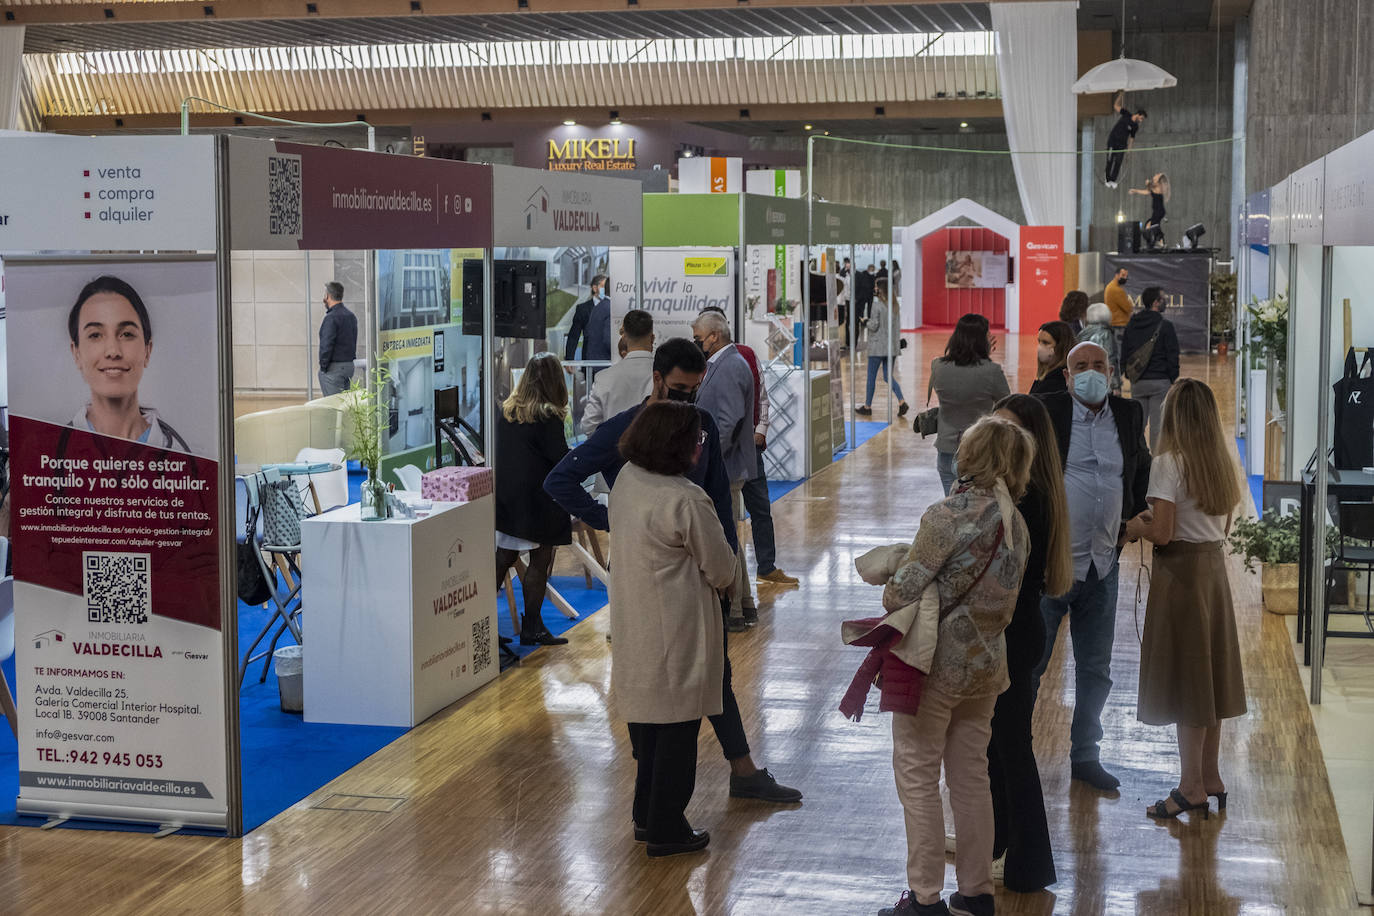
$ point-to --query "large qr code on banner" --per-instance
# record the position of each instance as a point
(118, 587)
(283, 195)
(481, 643)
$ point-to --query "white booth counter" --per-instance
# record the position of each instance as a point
(400, 613)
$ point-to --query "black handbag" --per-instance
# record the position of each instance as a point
(1353, 438)
(253, 587)
(927, 422)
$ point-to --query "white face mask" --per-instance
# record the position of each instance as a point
(1090, 387)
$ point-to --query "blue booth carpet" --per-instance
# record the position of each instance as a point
(1255, 481)
(285, 758)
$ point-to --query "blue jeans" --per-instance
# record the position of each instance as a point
(1091, 606)
(874, 364)
(756, 503)
(947, 468)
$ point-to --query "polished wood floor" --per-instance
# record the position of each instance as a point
(516, 800)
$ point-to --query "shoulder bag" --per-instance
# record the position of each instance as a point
(282, 511)
(253, 587)
(927, 422)
(1140, 360)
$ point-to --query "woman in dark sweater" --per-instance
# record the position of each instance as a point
(529, 442)
(1018, 804)
(1052, 346)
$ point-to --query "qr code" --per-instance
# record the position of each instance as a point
(284, 195)
(117, 587)
(481, 643)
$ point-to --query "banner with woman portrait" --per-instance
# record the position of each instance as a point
(114, 394)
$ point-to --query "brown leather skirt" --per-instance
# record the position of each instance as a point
(1189, 654)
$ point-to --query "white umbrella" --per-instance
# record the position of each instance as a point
(1124, 73)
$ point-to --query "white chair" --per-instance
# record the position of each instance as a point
(409, 476)
(7, 637)
(331, 487)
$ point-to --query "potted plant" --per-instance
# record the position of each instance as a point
(1273, 541)
(367, 416)
(1223, 287)
(1269, 332)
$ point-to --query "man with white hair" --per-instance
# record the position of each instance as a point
(1101, 440)
(727, 393)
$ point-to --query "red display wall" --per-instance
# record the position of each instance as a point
(942, 307)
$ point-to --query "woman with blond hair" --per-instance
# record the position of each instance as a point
(530, 441)
(1018, 804)
(1190, 673)
(972, 548)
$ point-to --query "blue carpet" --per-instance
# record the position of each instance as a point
(863, 431)
(1255, 481)
(586, 601)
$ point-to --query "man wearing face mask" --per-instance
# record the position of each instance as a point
(678, 369)
(1106, 474)
(727, 392)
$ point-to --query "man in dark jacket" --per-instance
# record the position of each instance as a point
(592, 323)
(1101, 440)
(1152, 340)
(679, 366)
(338, 341)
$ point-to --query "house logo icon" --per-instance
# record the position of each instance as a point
(536, 208)
(48, 637)
(454, 550)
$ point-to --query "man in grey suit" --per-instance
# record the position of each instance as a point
(727, 392)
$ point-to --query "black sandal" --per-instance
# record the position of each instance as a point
(1221, 799)
(1160, 809)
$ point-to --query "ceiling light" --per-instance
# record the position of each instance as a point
(616, 122)
(963, 124)
(569, 123)
(806, 127)
(615, 118)
(686, 154)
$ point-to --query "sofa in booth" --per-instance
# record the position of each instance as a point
(278, 435)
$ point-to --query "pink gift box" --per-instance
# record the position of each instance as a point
(456, 485)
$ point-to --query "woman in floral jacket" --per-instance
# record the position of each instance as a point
(972, 548)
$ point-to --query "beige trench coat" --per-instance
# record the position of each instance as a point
(668, 557)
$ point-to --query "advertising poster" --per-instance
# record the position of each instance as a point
(1184, 280)
(1040, 274)
(114, 427)
(975, 270)
(678, 284)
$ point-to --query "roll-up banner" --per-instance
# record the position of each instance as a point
(1183, 278)
(114, 382)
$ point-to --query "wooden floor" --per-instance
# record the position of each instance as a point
(517, 800)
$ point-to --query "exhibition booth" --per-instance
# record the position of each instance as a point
(137, 705)
(967, 258)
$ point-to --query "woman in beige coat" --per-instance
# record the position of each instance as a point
(667, 636)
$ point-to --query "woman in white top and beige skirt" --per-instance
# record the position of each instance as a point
(1190, 672)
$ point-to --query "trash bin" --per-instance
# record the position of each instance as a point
(289, 681)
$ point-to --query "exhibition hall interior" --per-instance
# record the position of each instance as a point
(687, 457)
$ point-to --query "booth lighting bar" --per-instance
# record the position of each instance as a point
(186, 119)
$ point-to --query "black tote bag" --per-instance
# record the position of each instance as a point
(1354, 403)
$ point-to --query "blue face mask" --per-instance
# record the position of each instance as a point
(1090, 386)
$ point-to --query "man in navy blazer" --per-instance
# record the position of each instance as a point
(592, 323)
(727, 393)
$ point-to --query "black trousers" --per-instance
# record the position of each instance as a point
(667, 756)
(728, 726)
(1114, 160)
(1018, 804)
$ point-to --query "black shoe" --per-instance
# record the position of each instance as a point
(763, 786)
(694, 843)
(907, 906)
(542, 638)
(1091, 772)
(751, 615)
(981, 905)
(864, 411)
(736, 624)
(641, 833)
(903, 408)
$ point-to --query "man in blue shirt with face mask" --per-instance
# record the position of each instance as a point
(1106, 475)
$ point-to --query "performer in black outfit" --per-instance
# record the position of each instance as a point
(1157, 188)
(1122, 136)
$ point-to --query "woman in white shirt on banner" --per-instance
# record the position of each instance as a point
(1190, 671)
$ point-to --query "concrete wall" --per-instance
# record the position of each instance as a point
(913, 183)
(1197, 109)
(1311, 83)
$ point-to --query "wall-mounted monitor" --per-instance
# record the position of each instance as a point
(519, 290)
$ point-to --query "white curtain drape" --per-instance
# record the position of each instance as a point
(11, 75)
(1037, 62)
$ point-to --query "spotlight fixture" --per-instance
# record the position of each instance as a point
(486, 116)
(940, 95)
(963, 124)
(827, 133)
(1192, 234)
(806, 127)
(615, 118)
(686, 154)
(744, 113)
(569, 123)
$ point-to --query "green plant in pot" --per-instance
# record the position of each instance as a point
(1273, 542)
(368, 418)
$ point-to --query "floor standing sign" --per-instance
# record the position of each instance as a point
(114, 368)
